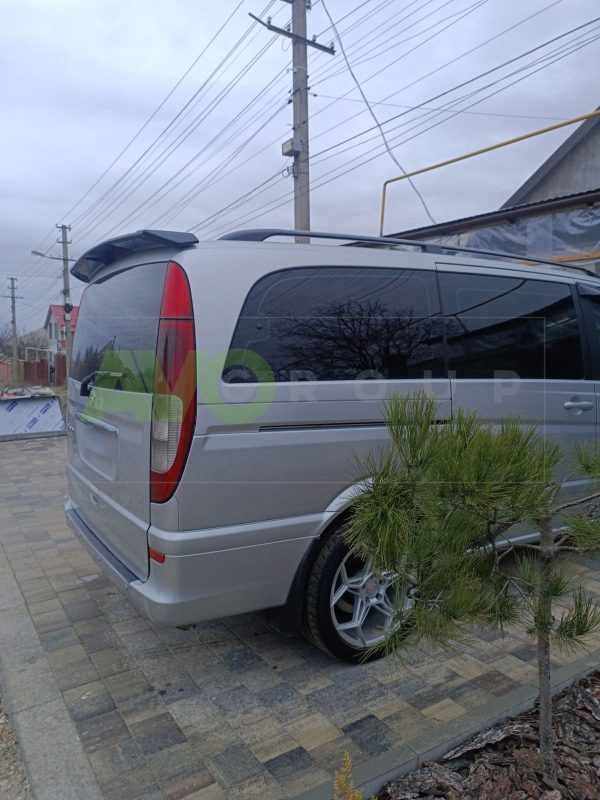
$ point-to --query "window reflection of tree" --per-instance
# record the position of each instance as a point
(341, 340)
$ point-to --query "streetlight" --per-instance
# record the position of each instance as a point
(52, 258)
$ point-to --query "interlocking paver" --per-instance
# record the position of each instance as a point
(127, 686)
(157, 733)
(102, 730)
(226, 711)
(235, 765)
(137, 784)
(370, 734)
(89, 701)
(116, 759)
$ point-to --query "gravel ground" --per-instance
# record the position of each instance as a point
(13, 778)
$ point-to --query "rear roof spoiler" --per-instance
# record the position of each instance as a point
(106, 252)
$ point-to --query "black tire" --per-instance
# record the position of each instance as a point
(320, 625)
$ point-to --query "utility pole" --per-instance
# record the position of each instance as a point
(13, 306)
(298, 145)
(67, 305)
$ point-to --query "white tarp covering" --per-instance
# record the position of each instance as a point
(562, 233)
(30, 415)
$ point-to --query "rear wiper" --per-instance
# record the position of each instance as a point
(87, 383)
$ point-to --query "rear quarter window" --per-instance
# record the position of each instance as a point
(117, 329)
(338, 324)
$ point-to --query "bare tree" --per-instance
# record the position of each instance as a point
(5, 340)
(35, 339)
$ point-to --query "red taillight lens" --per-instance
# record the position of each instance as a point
(174, 400)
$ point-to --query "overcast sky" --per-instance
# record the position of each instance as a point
(81, 77)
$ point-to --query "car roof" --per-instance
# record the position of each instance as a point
(124, 249)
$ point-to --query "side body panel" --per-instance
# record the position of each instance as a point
(276, 450)
(561, 400)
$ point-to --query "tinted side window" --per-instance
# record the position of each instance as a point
(338, 323)
(117, 329)
(496, 324)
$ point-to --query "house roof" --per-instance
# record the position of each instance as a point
(502, 215)
(578, 135)
(58, 314)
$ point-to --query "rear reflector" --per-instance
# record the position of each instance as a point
(174, 401)
(156, 555)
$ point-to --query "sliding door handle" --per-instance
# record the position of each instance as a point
(578, 405)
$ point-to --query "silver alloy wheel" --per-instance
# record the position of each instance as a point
(360, 602)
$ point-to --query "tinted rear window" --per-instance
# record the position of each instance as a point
(117, 329)
(338, 324)
(505, 324)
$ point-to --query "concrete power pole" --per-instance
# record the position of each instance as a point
(67, 305)
(13, 307)
(300, 100)
(298, 146)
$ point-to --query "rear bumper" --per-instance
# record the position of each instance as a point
(198, 586)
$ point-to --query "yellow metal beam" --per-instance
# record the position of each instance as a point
(578, 257)
(488, 149)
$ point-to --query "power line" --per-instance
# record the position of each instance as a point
(206, 182)
(275, 204)
(103, 198)
(500, 114)
(349, 14)
(377, 52)
(413, 108)
(13, 296)
(364, 97)
(42, 306)
(467, 82)
(155, 112)
(156, 195)
(451, 111)
(185, 202)
(414, 82)
(441, 67)
(87, 230)
(367, 40)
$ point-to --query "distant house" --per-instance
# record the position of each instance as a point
(572, 169)
(555, 214)
(55, 327)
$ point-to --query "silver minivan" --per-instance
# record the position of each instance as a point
(220, 391)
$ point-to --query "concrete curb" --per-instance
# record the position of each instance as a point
(54, 759)
(370, 776)
(16, 437)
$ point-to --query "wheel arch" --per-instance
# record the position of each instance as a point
(288, 619)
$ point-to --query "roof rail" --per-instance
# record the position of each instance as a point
(262, 234)
(110, 250)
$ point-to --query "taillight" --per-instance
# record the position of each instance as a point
(174, 400)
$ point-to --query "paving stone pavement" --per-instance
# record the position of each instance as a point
(109, 706)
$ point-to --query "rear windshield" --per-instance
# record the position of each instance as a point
(117, 328)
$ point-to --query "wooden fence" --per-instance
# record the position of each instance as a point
(34, 373)
(5, 370)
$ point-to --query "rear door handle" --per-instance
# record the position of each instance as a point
(95, 422)
(578, 405)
